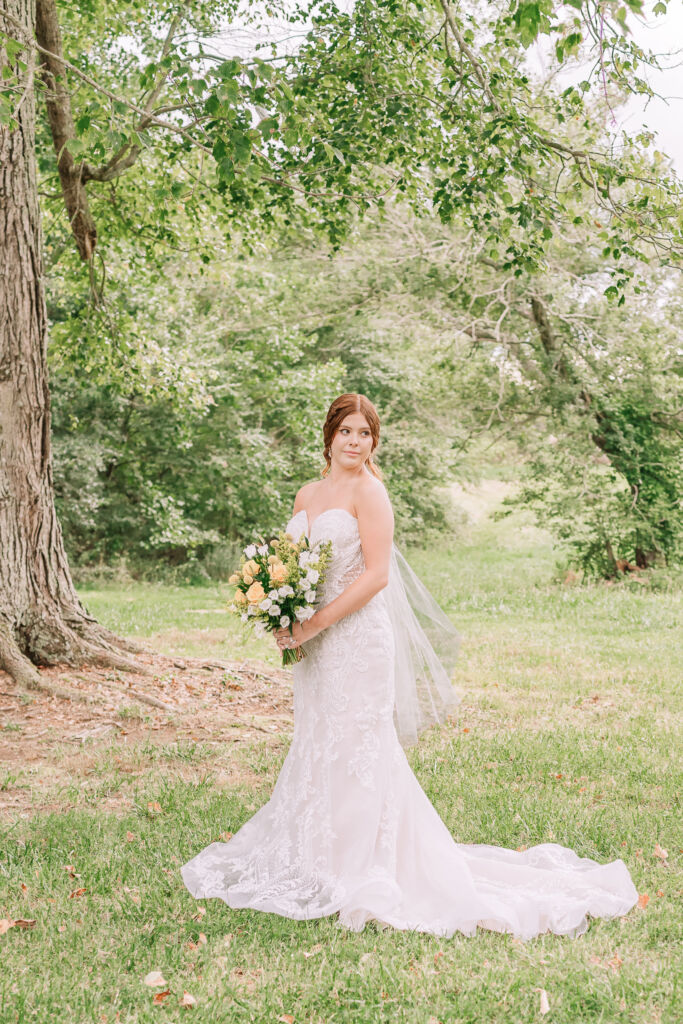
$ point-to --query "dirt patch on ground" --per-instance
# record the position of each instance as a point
(54, 752)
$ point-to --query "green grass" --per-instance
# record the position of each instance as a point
(568, 730)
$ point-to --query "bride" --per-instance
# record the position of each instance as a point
(348, 828)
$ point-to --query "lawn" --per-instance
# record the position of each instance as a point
(568, 731)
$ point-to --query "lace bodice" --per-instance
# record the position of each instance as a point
(341, 527)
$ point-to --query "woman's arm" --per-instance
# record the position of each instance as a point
(376, 529)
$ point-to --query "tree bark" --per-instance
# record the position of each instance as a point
(42, 620)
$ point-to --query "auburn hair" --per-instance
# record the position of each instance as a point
(342, 407)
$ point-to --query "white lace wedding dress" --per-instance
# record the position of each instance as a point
(348, 828)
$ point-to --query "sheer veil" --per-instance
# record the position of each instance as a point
(426, 645)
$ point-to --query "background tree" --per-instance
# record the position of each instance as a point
(389, 96)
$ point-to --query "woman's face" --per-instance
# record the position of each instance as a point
(352, 443)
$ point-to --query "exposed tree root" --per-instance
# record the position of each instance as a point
(15, 663)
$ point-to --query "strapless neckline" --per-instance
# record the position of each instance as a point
(310, 525)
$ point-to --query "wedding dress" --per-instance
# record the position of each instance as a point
(348, 828)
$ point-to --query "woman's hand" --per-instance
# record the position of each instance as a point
(301, 632)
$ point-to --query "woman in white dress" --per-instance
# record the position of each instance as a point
(348, 828)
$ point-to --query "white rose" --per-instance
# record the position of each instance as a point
(285, 591)
(273, 595)
(263, 550)
(310, 596)
(300, 614)
(250, 551)
(265, 604)
(285, 621)
(274, 609)
(313, 575)
(304, 559)
(308, 613)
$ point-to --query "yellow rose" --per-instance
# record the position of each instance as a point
(278, 572)
(250, 568)
(240, 597)
(235, 578)
(255, 593)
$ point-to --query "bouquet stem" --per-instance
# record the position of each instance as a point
(291, 655)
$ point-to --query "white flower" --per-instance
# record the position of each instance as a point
(244, 616)
(251, 610)
(308, 613)
(250, 551)
(304, 559)
(273, 595)
(274, 609)
(263, 550)
(265, 604)
(285, 621)
(313, 575)
(310, 596)
(285, 591)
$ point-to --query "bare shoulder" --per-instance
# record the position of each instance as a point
(304, 495)
(370, 497)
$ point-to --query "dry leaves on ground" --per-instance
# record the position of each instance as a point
(19, 922)
(313, 950)
(154, 979)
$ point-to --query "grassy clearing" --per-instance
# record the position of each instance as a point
(568, 731)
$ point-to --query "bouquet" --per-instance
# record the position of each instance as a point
(277, 583)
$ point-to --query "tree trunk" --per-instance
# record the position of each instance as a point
(42, 620)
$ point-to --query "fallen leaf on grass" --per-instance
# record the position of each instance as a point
(313, 950)
(159, 997)
(544, 1006)
(643, 900)
(61, 928)
(202, 940)
(616, 962)
(154, 979)
(660, 852)
(200, 914)
(22, 922)
(5, 925)
(77, 892)
(225, 836)
(154, 807)
(188, 1000)
(286, 1018)
(130, 837)
(72, 870)
(660, 892)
